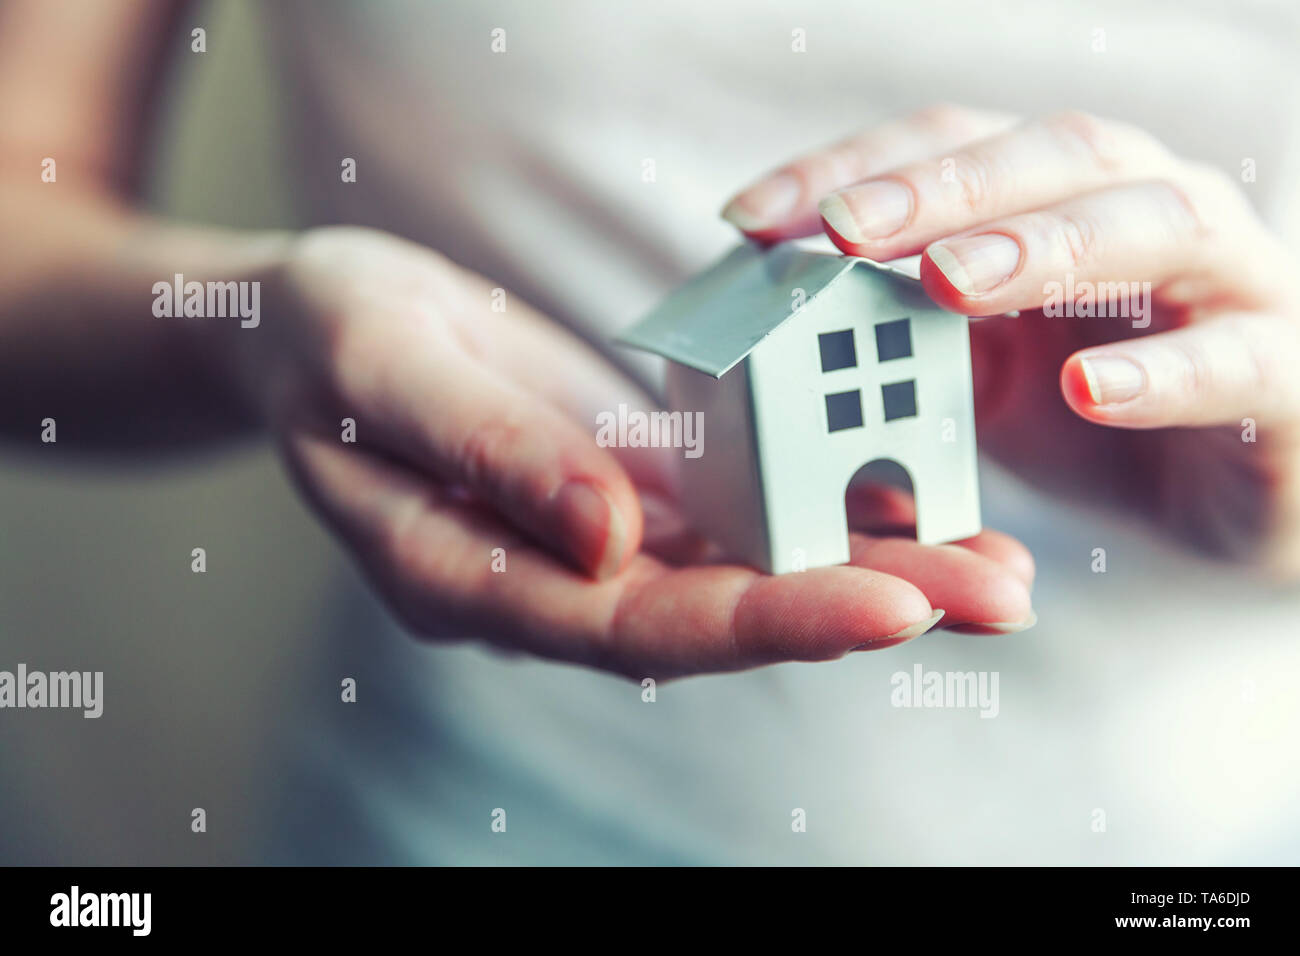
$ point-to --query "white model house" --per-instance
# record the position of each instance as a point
(808, 367)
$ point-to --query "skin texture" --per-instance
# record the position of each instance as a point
(474, 428)
(1096, 201)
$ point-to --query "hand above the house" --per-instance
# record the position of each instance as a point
(451, 445)
(1152, 363)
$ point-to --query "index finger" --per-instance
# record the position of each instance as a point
(783, 203)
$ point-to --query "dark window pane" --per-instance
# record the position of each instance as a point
(900, 400)
(894, 339)
(844, 410)
(837, 350)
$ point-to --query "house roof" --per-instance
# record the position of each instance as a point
(717, 318)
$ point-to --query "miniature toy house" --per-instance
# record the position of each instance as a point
(808, 367)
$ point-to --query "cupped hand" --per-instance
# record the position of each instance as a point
(451, 445)
(1176, 396)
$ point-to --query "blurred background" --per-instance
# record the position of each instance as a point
(193, 663)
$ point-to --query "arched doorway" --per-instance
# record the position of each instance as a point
(879, 498)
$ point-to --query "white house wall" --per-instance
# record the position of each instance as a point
(806, 470)
(720, 489)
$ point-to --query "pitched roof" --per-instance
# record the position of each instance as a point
(720, 315)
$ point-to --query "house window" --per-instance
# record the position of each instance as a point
(900, 400)
(844, 410)
(837, 350)
(894, 339)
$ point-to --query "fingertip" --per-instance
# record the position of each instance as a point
(762, 210)
(999, 628)
(627, 529)
(907, 634)
(824, 613)
(1083, 393)
(1079, 393)
(740, 217)
(621, 543)
(939, 286)
(1006, 551)
(1003, 606)
(1021, 562)
(880, 609)
(838, 240)
(598, 532)
(837, 220)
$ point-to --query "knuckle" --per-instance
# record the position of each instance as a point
(485, 448)
(976, 180)
(1208, 194)
(1185, 214)
(1264, 350)
(402, 544)
(817, 172)
(841, 163)
(1195, 373)
(944, 118)
(832, 167)
(1096, 137)
(1078, 237)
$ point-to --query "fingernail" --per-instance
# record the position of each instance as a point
(869, 211)
(764, 204)
(906, 634)
(976, 264)
(591, 527)
(1112, 380)
(1000, 627)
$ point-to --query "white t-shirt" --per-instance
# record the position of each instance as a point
(1149, 717)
